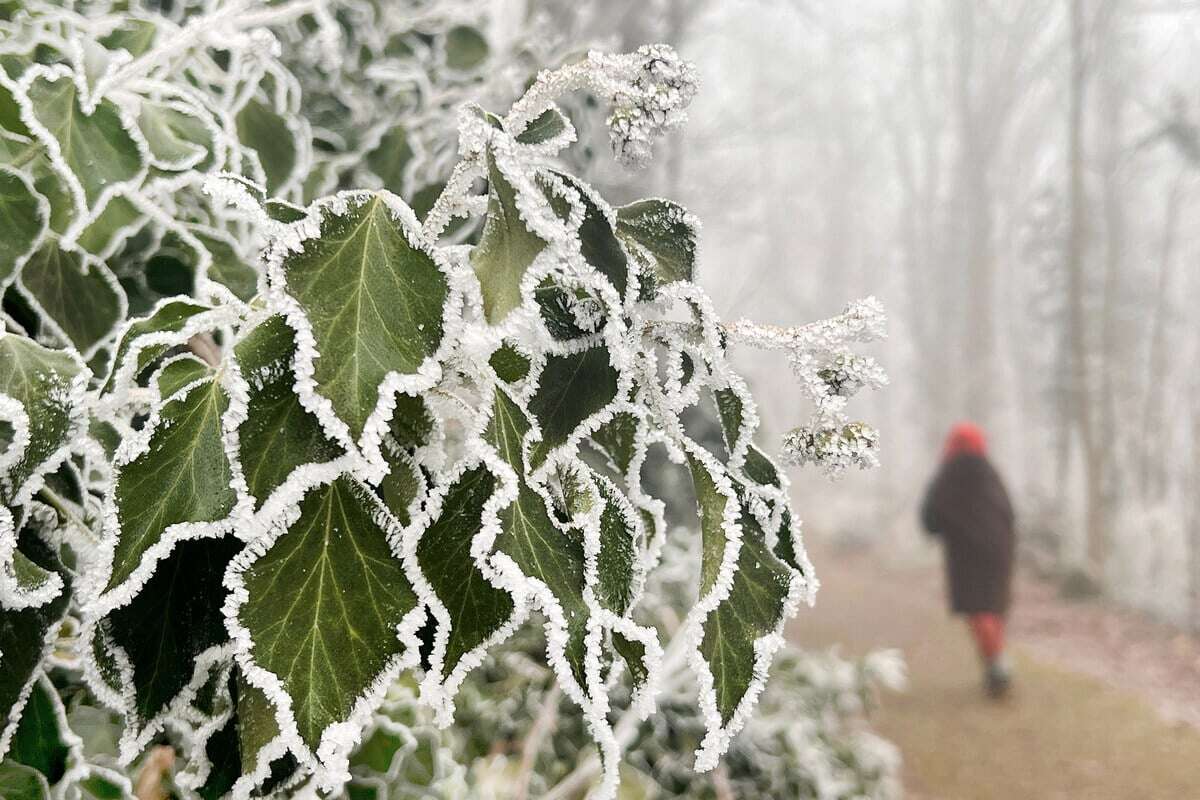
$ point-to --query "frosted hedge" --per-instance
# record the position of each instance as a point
(270, 443)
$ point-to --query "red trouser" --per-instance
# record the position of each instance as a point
(988, 630)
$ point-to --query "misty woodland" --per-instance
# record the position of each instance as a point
(326, 384)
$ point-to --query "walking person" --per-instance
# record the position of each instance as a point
(967, 508)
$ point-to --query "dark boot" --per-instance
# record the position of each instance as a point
(998, 678)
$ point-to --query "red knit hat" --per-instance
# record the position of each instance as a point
(965, 437)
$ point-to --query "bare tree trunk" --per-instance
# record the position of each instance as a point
(1084, 423)
(977, 363)
(1152, 477)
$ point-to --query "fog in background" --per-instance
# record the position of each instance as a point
(1017, 181)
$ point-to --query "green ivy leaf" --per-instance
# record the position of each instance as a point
(117, 222)
(38, 741)
(19, 782)
(617, 439)
(475, 609)
(510, 364)
(183, 477)
(278, 434)
(10, 112)
(756, 466)
(96, 147)
(78, 294)
(598, 240)
(549, 125)
(753, 609)
(374, 298)
(617, 563)
(466, 48)
(267, 133)
(23, 637)
(571, 388)
(171, 316)
(174, 618)
(506, 248)
(44, 382)
(662, 236)
(257, 727)
(229, 268)
(324, 604)
(23, 218)
(178, 139)
(389, 159)
(529, 537)
(180, 372)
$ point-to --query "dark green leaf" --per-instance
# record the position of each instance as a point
(570, 389)
(77, 293)
(173, 619)
(96, 147)
(662, 236)
(324, 603)
(506, 248)
(22, 217)
(476, 609)
(374, 301)
(183, 477)
(278, 434)
(267, 133)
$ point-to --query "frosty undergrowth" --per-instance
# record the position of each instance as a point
(271, 444)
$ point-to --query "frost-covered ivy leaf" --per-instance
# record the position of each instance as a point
(22, 218)
(598, 241)
(529, 537)
(278, 434)
(754, 609)
(740, 631)
(229, 268)
(19, 782)
(174, 618)
(119, 220)
(183, 476)
(389, 159)
(511, 365)
(466, 48)
(10, 112)
(29, 579)
(257, 731)
(475, 609)
(132, 35)
(178, 139)
(48, 384)
(617, 563)
(549, 125)
(224, 759)
(664, 231)
(324, 604)
(267, 133)
(104, 785)
(570, 389)
(411, 423)
(180, 372)
(23, 647)
(39, 738)
(506, 248)
(617, 439)
(171, 316)
(374, 298)
(97, 148)
(755, 464)
(77, 293)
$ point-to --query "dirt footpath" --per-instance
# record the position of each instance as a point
(1076, 727)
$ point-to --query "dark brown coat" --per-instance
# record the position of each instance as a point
(967, 507)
